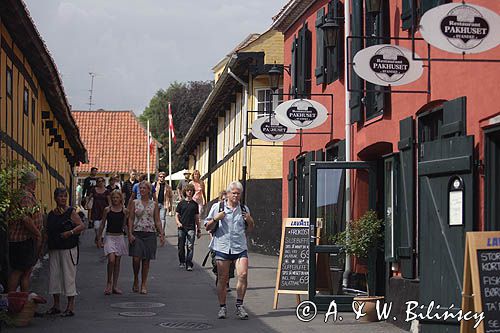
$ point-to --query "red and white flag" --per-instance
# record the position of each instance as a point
(171, 123)
(152, 145)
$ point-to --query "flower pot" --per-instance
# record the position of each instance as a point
(369, 307)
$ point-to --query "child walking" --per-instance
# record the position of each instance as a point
(114, 218)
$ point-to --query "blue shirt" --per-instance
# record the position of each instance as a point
(230, 236)
(135, 189)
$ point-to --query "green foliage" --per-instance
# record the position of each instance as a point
(11, 193)
(186, 100)
(363, 235)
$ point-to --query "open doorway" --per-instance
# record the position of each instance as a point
(492, 179)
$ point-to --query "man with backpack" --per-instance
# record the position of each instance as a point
(228, 221)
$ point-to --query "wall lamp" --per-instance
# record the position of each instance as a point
(275, 73)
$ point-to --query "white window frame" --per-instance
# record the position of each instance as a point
(277, 99)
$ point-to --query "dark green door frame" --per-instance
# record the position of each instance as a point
(344, 302)
(492, 178)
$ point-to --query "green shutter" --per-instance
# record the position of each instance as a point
(406, 14)
(356, 45)
(293, 67)
(454, 119)
(335, 56)
(300, 63)
(319, 156)
(425, 5)
(320, 47)
(406, 198)
(291, 188)
(308, 159)
(307, 60)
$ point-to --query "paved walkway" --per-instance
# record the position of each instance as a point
(188, 297)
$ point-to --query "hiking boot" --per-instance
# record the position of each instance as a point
(222, 313)
(241, 312)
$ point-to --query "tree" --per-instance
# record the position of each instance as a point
(186, 100)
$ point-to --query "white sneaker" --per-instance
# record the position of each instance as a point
(241, 312)
(222, 313)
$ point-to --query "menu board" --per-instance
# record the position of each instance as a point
(294, 268)
(292, 276)
(481, 286)
(489, 279)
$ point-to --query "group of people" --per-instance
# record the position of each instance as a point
(134, 208)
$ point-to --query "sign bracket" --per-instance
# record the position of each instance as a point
(387, 89)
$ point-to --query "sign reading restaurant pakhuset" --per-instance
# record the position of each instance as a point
(269, 129)
(461, 28)
(301, 113)
(386, 65)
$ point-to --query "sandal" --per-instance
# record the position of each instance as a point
(68, 313)
(144, 291)
(107, 291)
(53, 311)
(117, 291)
(135, 289)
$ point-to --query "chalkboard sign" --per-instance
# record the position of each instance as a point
(481, 290)
(292, 276)
(489, 279)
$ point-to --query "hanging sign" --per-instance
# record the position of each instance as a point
(269, 129)
(461, 28)
(301, 113)
(387, 65)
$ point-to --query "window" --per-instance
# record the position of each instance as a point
(429, 124)
(26, 101)
(9, 82)
(422, 7)
(266, 102)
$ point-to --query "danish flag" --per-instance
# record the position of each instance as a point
(171, 123)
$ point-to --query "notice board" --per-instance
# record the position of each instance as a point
(292, 276)
(481, 285)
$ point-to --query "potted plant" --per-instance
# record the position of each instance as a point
(363, 239)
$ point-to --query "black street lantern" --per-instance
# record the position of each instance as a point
(331, 31)
(373, 6)
(274, 77)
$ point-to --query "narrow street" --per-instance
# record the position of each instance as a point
(187, 298)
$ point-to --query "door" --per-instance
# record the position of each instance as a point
(327, 186)
(492, 179)
(446, 187)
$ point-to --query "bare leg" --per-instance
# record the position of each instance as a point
(242, 273)
(136, 265)
(57, 302)
(116, 274)
(71, 303)
(25, 280)
(222, 279)
(111, 266)
(14, 279)
(144, 276)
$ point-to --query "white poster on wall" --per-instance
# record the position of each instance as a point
(301, 113)
(461, 28)
(387, 65)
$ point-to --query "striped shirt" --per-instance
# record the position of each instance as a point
(17, 231)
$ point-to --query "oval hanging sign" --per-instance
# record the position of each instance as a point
(269, 129)
(301, 113)
(461, 28)
(387, 65)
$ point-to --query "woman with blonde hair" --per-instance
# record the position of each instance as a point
(115, 218)
(199, 191)
(143, 225)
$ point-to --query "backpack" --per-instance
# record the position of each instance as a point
(221, 209)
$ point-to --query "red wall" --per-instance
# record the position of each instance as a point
(449, 80)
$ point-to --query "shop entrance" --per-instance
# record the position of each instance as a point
(492, 179)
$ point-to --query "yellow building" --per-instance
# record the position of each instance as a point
(36, 125)
(215, 142)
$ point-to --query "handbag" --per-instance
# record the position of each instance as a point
(68, 225)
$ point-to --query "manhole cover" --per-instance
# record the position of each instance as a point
(137, 314)
(137, 305)
(183, 325)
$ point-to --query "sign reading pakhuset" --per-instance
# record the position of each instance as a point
(386, 65)
(461, 28)
(269, 129)
(301, 113)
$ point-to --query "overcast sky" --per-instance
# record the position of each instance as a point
(136, 47)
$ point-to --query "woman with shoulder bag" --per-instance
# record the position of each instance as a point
(63, 227)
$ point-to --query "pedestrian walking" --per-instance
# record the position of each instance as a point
(115, 219)
(199, 191)
(88, 184)
(100, 200)
(182, 183)
(113, 184)
(25, 238)
(143, 225)
(128, 185)
(164, 196)
(229, 221)
(188, 224)
(63, 226)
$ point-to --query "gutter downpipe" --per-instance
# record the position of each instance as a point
(347, 29)
(245, 135)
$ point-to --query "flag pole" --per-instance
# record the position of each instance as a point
(169, 148)
(148, 149)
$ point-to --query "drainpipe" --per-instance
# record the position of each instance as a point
(245, 135)
(347, 29)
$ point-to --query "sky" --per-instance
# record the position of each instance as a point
(136, 47)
